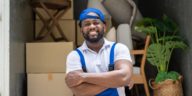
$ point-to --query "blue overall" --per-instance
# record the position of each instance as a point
(109, 91)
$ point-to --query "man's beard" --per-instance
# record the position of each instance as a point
(94, 40)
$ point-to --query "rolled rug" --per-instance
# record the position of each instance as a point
(120, 10)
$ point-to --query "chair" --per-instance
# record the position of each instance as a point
(60, 6)
(139, 72)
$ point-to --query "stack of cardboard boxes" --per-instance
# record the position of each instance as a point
(46, 68)
(46, 59)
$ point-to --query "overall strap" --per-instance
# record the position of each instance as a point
(82, 60)
(111, 59)
(109, 92)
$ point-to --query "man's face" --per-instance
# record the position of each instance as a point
(93, 29)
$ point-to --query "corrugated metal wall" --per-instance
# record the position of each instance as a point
(21, 31)
(181, 12)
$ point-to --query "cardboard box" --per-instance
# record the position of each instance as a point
(47, 85)
(67, 15)
(47, 57)
(68, 27)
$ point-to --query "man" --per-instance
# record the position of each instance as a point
(98, 67)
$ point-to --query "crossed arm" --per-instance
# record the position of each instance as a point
(90, 84)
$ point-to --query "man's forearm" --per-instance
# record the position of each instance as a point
(119, 77)
(108, 79)
(86, 89)
(112, 79)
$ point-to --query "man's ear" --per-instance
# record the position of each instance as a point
(81, 30)
(80, 27)
(105, 27)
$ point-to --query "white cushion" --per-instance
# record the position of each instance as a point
(136, 70)
(111, 35)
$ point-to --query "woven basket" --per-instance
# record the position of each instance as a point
(168, 88)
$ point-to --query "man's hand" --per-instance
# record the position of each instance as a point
(73, 78)
(130, 84)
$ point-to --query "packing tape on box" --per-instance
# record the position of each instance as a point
(50, 76)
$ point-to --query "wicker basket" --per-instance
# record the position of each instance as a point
(168, 88)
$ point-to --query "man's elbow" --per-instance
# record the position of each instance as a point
(125, 78)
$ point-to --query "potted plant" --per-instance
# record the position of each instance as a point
(164, 39)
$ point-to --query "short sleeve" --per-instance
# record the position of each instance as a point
(73, 62)
(122, 52)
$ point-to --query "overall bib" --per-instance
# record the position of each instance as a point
(109, 91)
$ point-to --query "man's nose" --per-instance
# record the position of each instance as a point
(92, 26)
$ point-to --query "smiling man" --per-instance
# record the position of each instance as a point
(98, 67)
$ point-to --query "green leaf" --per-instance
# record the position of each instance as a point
(147, 30)
(161, 76)
(146, 22)
(170, 25)
(170, 38)
(156, 55)
(176, 44)
(173, 75)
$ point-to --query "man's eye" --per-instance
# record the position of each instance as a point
(95, 23)
(87, 24)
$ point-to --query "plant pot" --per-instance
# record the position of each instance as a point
(168, 88)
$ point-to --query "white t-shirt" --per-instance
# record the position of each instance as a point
(98, 62)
